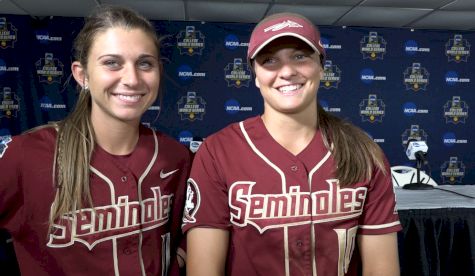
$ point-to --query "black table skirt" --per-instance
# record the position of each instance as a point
(437, 242)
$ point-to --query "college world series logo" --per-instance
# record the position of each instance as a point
(191, 107)
(452, 171)
(373, 46)
(372, 109)
(237, 74)
(49, 69)
(457, 49)
(331, 75)
(10, 104)
(8, 34)
(416, 77)
(190, 41)
(455, 111)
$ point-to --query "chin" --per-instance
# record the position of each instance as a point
(129, 117)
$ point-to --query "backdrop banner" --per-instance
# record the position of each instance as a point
(396, 84)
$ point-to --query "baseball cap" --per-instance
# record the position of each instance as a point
(284, 24)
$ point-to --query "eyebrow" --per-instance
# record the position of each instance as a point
(120, 56)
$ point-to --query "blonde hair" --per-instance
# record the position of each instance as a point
(76, 138)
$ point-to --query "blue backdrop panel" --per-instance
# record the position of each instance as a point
(396, 84)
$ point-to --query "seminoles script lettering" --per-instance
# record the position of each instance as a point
(92, 226)
(265, 211)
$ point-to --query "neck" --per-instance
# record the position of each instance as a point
(118, 138)
(293, 132)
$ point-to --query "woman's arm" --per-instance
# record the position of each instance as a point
(379, 254)
(207, 249)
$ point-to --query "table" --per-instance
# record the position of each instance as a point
(438, 236)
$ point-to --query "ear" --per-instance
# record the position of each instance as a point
(258, 85)
(79, 73)
(321, 73)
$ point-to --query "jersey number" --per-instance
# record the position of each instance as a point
(346, 245)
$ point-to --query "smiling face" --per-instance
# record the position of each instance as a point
(288, 74)
(123, 75)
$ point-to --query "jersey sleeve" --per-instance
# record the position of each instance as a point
(206, 196)
(11, 199)
(379, 213)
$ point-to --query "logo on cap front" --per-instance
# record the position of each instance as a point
(283, 25)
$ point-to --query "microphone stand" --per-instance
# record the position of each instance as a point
(418, 185)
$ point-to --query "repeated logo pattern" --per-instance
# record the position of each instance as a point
(393, 83)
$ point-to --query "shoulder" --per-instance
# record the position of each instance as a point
(234, 132)
(171, 147)
(228, 142)
(40, 138)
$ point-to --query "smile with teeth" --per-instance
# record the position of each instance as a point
(289, 88)
(130, 98)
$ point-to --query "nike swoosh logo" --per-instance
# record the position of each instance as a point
(165, 175)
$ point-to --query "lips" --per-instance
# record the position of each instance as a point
(129, 98)
(289, 89)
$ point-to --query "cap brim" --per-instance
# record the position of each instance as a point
(269, 40)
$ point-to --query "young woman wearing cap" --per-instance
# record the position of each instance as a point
(295, 191)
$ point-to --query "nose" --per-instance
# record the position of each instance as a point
(130, 75)
(287, 70)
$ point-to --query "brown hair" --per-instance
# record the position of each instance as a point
(76, 138)
(356, 155)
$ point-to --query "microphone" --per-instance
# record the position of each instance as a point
(195, 144)
(417, 150)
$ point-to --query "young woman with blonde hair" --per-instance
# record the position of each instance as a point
(98, 193)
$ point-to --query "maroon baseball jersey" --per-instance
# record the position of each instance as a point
(133, 227)
(286, 214)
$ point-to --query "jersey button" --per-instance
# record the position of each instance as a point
(299, 243)
(123, 178)
(127, 251)
(294, 168)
